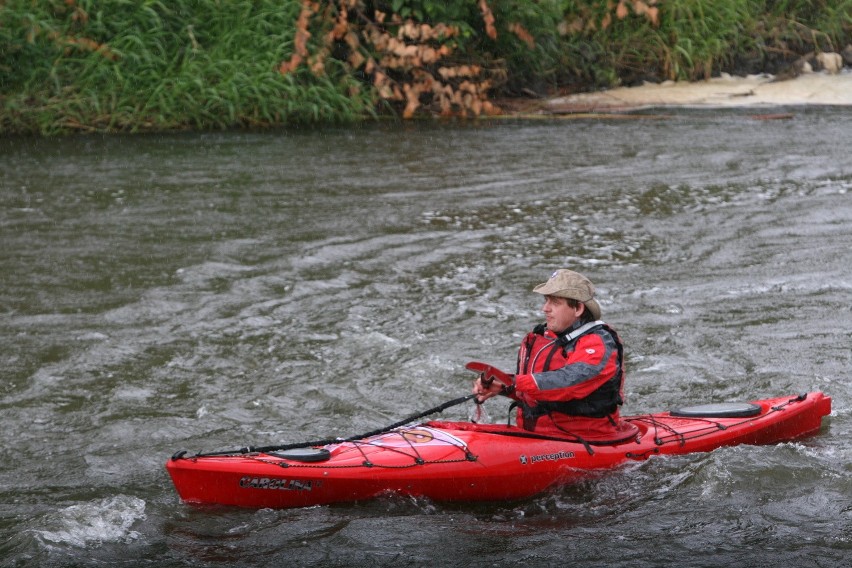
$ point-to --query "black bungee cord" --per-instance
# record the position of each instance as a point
(328, 441)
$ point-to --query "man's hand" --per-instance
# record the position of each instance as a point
(491, 381)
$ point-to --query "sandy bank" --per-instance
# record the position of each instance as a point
(726, 91)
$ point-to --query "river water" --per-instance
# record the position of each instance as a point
(210, 291)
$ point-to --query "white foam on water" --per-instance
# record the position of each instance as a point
(94, 523)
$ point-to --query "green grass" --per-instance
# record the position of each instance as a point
(127, 65)
(162, 66)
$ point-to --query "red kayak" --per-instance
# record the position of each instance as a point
(462, 461)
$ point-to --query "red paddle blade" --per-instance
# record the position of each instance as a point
(490, 372)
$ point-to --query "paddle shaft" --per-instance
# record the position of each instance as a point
(326, 442)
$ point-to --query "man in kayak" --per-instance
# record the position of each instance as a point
(569, 378)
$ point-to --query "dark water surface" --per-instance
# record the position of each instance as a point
(203, 292)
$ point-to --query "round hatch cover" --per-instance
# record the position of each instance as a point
(719, 410)
(303, 454)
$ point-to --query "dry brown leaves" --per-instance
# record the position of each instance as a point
(300, 43)
(488, 18)
(590, 22)
(522, 34)
(408, 63)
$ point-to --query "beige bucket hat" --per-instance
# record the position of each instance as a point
(569, 284)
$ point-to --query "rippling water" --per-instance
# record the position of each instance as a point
(210, 291)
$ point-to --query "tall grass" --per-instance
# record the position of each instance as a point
(120, 65)
(114, 65)
(695, 39)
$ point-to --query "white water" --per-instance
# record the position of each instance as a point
(107, 520)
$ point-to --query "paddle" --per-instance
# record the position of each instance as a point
(326, 442)
(489, 373)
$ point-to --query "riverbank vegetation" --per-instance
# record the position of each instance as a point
(112, 65)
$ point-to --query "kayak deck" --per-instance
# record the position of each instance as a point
(462, 461)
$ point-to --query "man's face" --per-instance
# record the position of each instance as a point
(559, 315)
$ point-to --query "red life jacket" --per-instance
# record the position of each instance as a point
(544, 351)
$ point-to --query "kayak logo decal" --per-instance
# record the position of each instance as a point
(418, 436)
(248, 482)
(556, 456)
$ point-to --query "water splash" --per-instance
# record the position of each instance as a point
(108, 520)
